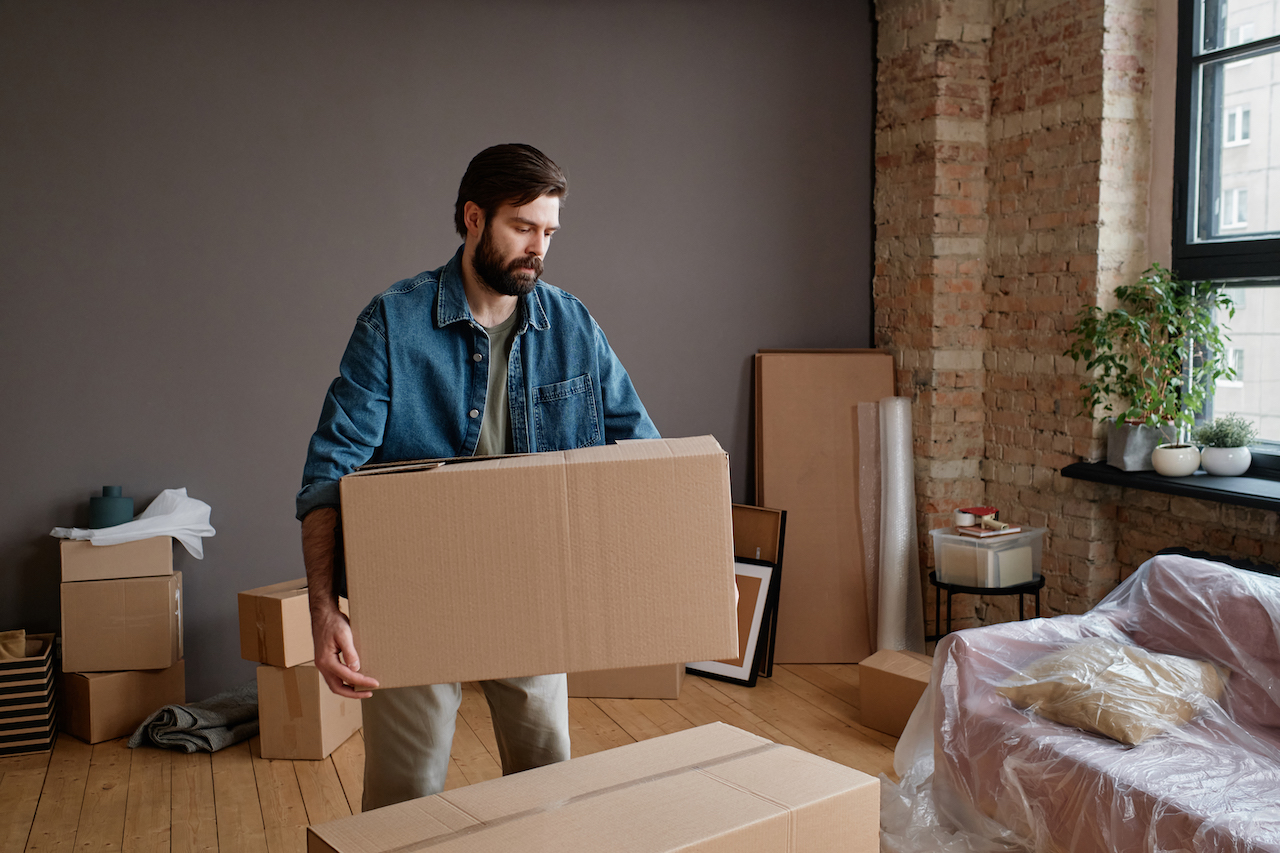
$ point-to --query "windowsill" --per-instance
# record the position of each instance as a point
(1256, 492)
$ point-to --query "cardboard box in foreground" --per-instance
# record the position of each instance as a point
(113, 625)
(892, 683)
(587, 559)
(299, 717)
(710, 788)
(84, 561)
(98, 706)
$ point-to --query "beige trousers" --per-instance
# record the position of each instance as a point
(408, 733)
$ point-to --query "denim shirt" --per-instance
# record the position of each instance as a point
(413, 380)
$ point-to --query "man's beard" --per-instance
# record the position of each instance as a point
(515, 278)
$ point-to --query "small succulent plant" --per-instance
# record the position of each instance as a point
(1226, 431)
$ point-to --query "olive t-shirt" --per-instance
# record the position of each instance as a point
(495, 428)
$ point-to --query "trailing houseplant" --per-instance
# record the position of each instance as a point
(1225, 443)
(1151, 359)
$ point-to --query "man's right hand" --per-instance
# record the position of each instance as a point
(336, 656)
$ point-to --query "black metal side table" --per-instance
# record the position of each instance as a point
(1031, 587)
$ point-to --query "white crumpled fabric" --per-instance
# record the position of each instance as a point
(172, 513)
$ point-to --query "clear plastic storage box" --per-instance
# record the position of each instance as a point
(993, 562)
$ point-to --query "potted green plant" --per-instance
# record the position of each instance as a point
(1225, 445)
(1149, 361)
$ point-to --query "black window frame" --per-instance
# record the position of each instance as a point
(1219, 259)
(1235, 261)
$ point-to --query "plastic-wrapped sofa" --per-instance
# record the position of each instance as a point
(1207, 781)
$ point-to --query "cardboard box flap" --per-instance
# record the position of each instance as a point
(913, 665)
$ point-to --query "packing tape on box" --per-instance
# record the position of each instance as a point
(700, 767)
(292, 695)
(260, 622)
(293, 707)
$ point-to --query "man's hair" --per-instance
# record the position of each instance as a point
(513, 174)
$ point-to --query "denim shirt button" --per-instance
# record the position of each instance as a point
(477, 357)
(474, 413)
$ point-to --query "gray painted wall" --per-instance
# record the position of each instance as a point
(196, 199)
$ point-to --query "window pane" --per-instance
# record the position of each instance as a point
(1227, 23)
(1253, 349)
(1237, 180)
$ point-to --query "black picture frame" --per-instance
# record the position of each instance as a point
(757, 605)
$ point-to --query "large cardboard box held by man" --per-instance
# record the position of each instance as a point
(585, 559)
(712, 788)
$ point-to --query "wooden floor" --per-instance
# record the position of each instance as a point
(111, 798)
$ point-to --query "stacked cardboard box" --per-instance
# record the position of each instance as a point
(892, 683)
(298, 716)
(121, 635)
(709, 788)
(27, 707)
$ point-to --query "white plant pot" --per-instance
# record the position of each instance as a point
(1226, 461)
(1174, 460)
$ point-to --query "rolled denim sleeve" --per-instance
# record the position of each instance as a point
(625, 416)
(353, 418)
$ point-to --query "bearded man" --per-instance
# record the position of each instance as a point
(478, 357)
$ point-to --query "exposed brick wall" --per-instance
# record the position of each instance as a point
(1012, 176)
(931, 225)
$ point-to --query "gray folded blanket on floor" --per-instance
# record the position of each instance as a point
(225, 719)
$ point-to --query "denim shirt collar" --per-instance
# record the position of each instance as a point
(452, 307)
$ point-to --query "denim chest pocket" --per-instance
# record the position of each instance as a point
(564, 415)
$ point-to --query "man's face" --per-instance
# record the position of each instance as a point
(513, 242)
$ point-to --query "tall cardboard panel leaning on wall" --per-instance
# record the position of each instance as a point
(807, 448)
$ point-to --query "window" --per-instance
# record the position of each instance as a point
(1235, 209)
(1227, 194)
(1236, 129)
(1227, 208)
(1253, 352)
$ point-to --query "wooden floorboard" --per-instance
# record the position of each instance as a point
(284, 815)
(106, 795)
(21, 778)
(192, 807)
(110, 798)
(348, 760)
(61, 797)
(237, 808)
(147, 816)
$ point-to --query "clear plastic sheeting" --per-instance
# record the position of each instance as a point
(901, 620)
(1000, 777)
